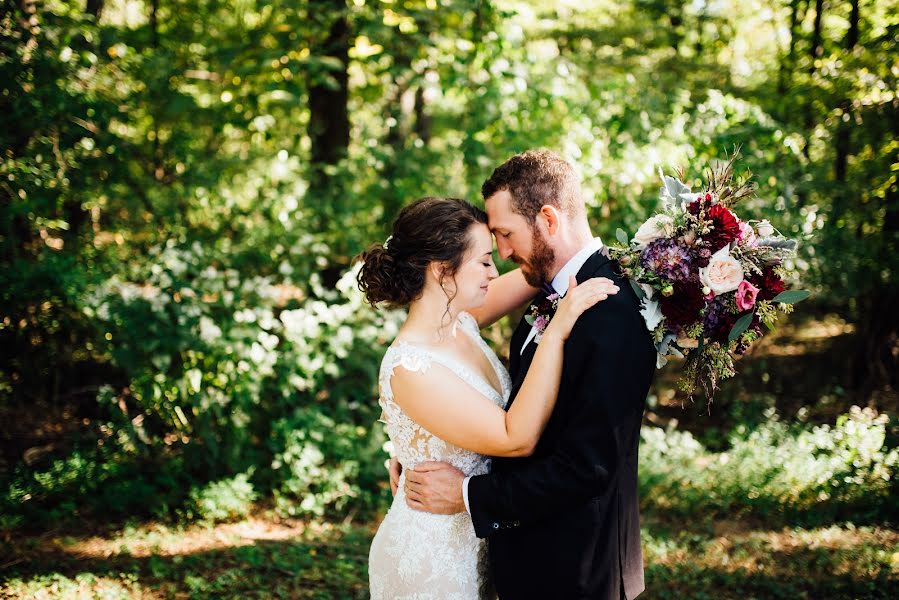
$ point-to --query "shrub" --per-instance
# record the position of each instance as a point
(812, 474)
(223, 500)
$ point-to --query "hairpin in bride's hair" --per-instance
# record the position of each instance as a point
(386, 243)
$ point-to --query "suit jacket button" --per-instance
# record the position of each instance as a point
(496, 525)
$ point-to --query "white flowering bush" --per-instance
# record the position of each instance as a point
(817, 473)
(233, 371)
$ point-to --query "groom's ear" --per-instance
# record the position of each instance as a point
(551, 217)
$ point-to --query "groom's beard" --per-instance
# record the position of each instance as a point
(536, 271)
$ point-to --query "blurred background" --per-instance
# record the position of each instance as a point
(188, 378)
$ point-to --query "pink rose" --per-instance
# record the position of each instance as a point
(746, 294)
(723, 273)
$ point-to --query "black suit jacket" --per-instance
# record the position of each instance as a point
(564, 522)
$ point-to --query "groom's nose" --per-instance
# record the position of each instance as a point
(503, 248)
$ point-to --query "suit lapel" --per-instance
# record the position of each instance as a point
(520, 362)
(518, 338)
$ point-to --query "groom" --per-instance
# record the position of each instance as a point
(564, 522)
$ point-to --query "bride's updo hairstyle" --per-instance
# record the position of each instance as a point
(428, 230)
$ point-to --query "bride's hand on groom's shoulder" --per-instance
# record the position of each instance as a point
(579, 298)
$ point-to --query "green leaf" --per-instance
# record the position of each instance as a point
(791, 296)
(740, 326)
(637, 289)
(621, 237)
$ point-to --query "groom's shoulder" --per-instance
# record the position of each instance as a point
(622, 310)
(626, 298)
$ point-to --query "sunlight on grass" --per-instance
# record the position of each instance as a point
(83, 585)
(264, 558)
(156, 539)
(859, 553)
(255, 557)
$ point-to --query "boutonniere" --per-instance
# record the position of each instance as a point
(541, 313)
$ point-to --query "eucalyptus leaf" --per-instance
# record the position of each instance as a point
(621, 236)
(637, 289)
(791, 296)
(740, 326)
(778, 243)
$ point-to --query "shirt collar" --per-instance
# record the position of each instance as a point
(574, 264)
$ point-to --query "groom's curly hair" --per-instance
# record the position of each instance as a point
(428, 230)
(536, 178)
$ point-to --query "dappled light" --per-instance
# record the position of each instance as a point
(189, 379)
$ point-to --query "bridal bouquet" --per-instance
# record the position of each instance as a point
(707, 280)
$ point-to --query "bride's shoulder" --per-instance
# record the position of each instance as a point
(403, 354)
(467, 320)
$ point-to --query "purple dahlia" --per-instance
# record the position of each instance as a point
(668, 259)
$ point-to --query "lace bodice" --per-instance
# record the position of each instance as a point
(413, 443)
(417, 555)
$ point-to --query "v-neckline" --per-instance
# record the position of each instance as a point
(482, 346)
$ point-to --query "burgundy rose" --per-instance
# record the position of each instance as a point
(682, 308)
(702, 202)
(725, 228)
(768, 283)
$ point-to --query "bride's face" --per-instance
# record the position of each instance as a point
(476, 271)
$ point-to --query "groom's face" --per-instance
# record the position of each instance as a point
(519, 240)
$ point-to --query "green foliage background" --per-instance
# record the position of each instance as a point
(180, 333)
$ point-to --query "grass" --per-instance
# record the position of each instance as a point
(719, 519)
(262, 558)
(254, 558)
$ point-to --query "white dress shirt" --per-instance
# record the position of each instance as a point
(560, 284)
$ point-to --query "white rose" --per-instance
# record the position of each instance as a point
(723, 274)
(654, 228)
(765, 229)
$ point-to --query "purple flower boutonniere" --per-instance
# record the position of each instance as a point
(541, 313)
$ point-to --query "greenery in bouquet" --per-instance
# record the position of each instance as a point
(708, 281)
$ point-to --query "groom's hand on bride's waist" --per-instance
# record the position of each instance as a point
(435, 487)
(395, 469)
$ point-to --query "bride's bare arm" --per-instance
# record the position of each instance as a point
(448, 408)
(506, 293)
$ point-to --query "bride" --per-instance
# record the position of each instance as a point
(443, 391)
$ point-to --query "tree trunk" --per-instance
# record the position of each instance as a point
(816, 50)
(95, 9)
(329, 122)
(876, 360)
(154, 23)
(784, 76)
(843, 127)
(423, 120)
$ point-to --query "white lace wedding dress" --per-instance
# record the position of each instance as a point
(418, 555)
